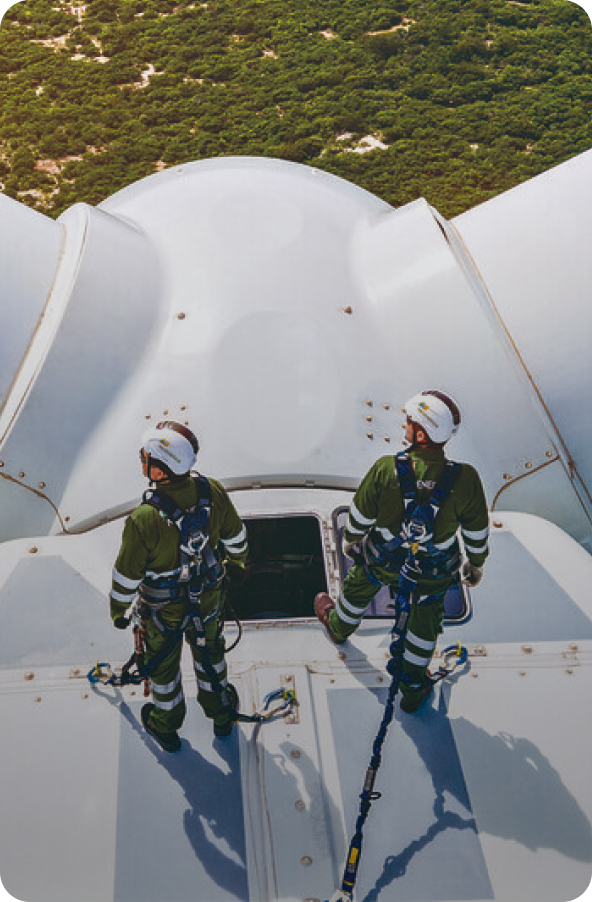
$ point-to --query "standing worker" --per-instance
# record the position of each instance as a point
(172, 553)
(382, 533)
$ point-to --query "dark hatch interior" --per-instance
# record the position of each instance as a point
(285, 569)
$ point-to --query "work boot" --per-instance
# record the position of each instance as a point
(224, 728)
(323, 605)
(169, 741)
(410, 705)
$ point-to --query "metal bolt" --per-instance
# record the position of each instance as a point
(387, 438)
(306, 861)
(508, 476)
(369, 403)
(528, 465)
(348, 309)
(33, 550)
(22, 474)
(549, 454)
(498, 524)
(387, 406)
(29, 675)
(370, 435)
(527, 649)
(42, 485)
(568, 670)
(300, 806)
(180, 316)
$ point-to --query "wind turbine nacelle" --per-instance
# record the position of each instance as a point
(287, 315)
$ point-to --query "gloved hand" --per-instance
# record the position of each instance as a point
(235, 574)
(349, 549)
(471, 575)
(121, 623)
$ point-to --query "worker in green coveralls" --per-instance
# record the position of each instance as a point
(149, 565)
(375, 538)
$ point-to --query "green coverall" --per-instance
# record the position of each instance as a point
(377, 506)
(150, 547)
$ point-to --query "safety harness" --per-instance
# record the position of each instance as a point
(200, 565)
(200, 568)
(416, 541)
(429, 560)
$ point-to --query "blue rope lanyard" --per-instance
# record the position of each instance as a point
(395, 668)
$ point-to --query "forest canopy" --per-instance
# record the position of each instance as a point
(451, 100)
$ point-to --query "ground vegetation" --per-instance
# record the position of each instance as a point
(451, 100)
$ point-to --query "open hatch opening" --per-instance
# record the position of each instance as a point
(285, 569)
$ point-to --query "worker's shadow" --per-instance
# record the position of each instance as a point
(211, 812)
(521, 797)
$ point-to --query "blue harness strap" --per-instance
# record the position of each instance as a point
(417, 528)
(200, 564)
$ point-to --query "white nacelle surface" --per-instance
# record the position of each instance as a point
(286, 316)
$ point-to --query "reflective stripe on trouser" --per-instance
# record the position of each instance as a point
(423, 628)
(354, 598)
(207, 695)
(167, 688)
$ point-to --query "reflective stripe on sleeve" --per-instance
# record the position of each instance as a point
(476, 549)
(121, 596)
(359, 517)
(442, 546)
(237, 543)
(476, 533)
(124, 581)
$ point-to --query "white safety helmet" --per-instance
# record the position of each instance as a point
(171, 444)
(437, 414)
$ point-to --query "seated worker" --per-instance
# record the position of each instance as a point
(174, 586)
(377, 537)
